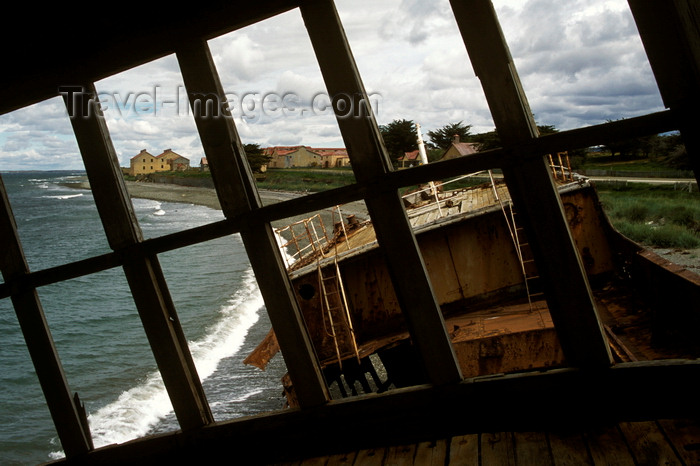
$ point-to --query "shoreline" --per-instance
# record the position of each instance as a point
(207, 196)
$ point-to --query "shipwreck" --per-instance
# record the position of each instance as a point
(485, 280)
(575, 386)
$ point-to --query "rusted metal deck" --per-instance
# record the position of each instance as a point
(669, 442)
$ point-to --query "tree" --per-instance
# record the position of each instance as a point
(486, 141)
(491, 140)
(627, 148)
(256, 157)
(442, 138)
(546, 129)
(399, 137)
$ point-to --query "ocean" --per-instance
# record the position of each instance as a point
(98, 334)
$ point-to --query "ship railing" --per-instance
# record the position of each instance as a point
(562, 171)
(305, 236)
(308, 237)
(435, 188)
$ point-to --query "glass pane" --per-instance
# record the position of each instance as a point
(105, 354)
(27, 433)
(580, 65)
(147, 113)
(223, 315)
(280, 106)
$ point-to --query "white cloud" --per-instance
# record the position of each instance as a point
(580, 61)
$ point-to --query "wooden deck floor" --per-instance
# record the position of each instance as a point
(667, 442)
(469, 200)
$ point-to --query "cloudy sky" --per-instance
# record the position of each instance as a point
(580, 61)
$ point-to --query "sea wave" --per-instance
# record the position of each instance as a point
(136, 411)
(139, 410)
(64, 196)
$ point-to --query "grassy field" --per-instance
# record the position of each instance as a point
(655, 216)
(610, 163)
(304, 180)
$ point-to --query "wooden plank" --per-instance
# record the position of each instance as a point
(341, 459)
(532, 448)
(130, 46)
(497, 448)
(668, 30)
(650, 388)
(102, 167)
(684, 435)
(232, 178)
(607, 446)
(568, 449)
(143, 273)
(648, 443)
(370, 165)
(371, 457)
(529, 182)
(464, 450)
(74, 436)
(238, 196)
(431, 453)
(401, 455)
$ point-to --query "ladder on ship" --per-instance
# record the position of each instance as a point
(522, 247)
(334, 301)
(333, 298)
(527, 262)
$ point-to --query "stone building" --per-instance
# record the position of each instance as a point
(174, 161)
(305, 156)
(144, 162)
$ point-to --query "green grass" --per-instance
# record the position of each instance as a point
(304, 180)
(654, 216)
(627, 164)
(616, 163)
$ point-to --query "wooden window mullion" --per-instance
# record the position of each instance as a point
(532, 190)
(669, 32)
(371, 164)
(67, 416)
(142, 270)
(238, 196)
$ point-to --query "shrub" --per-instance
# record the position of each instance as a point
(655, 217)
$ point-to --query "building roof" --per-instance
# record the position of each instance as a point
(170, 155)
(333, 151)
(167, 154)
(281, 150)
(323, 152)
(460, 149)
(141, 154)
(413, 155)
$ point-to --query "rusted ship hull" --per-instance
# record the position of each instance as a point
(486, 283)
